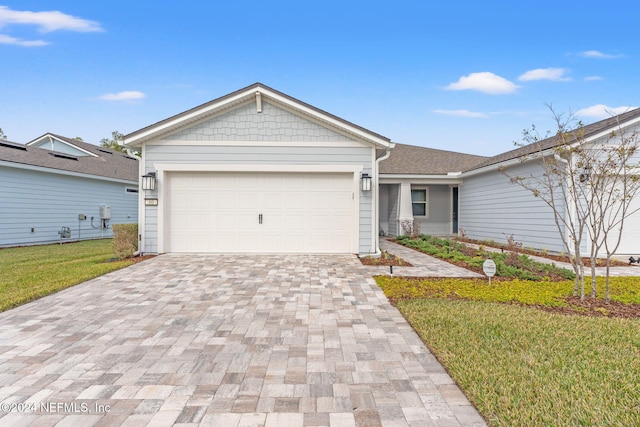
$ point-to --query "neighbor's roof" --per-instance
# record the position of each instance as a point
(107, 163)
(414, 160)
(585, 133)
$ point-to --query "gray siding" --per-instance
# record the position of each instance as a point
(492, 208)
(438, 222)
(48, 201)
(261, 155)
(245, 124)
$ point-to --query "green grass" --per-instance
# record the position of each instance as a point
(31, 272)
(547, 293)
(525, 367)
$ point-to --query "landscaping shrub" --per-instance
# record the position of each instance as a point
(508, 264)
(125, 240)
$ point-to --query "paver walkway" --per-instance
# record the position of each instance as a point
(223, 340)
(423, 264)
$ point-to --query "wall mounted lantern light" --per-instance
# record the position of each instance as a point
(365, 182)
(149, 181)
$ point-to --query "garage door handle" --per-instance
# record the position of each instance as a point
(259, 218)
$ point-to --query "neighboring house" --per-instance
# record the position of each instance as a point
(60, 189)
(259, 171)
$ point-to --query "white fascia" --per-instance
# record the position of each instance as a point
(420, 179)
(187, 118)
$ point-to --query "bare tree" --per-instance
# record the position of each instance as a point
(612, 180)
(557, 185)
(587, 184)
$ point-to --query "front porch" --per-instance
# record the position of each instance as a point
(419, 206)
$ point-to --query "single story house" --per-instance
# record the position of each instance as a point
(259, 171)
(60, 189)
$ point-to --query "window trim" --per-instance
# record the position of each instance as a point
(426, 200)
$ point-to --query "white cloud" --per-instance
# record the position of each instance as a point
(123, 96)
(47, 21)
(484, 82)
(592, 78)
(601, 111)
(553, 74)
(462, 113)
(4, 39)
(597, 54)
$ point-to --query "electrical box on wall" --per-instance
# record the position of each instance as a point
(82, 217)
(105, 212)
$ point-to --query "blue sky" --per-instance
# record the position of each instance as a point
(465, 76)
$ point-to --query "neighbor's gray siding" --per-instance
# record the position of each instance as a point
(492, 208)
(60, 147)
(438, 223)
(48, 201)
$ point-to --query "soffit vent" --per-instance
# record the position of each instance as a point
(64, 156)
(14, 146)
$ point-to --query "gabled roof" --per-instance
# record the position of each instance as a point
(248, 93)
(101, 162)
(586, 133)
(50, 141)
(413, 160)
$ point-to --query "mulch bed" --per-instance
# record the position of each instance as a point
(586, 261)
(135, 259)
(386, 259)
(596, 307)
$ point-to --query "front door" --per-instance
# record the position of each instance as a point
(454, 213)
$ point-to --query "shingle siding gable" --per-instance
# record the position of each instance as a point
(243, 124)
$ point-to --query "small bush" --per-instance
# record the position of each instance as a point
(125, 240)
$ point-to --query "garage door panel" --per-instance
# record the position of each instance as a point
(219, 212)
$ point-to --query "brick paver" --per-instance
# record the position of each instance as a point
(228, 340)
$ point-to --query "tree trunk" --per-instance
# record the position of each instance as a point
(606, 292)
(593, 276)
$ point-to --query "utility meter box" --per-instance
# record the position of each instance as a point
(105, 212)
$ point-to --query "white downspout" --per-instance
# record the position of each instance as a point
(376, 208)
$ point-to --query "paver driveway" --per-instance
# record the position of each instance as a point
(223, 340)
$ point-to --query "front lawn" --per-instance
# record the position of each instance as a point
(525, 367)
(520, 358)
(31, 272)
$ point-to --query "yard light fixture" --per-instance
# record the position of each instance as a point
(365, 182)
(149, 181)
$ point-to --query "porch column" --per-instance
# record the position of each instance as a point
(405, 211)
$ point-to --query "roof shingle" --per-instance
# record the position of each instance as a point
(414, 160)
(108, 163)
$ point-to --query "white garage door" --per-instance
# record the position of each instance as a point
(259, 212)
